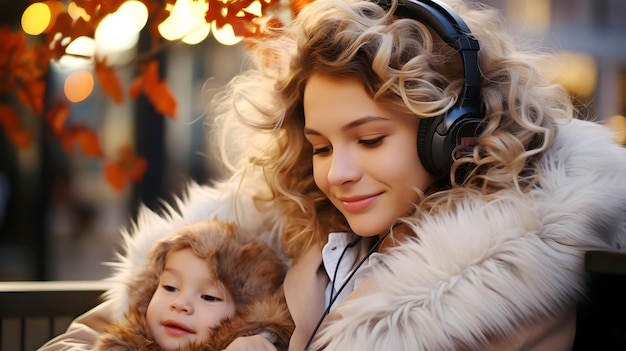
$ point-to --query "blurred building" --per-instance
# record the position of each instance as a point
(59, 220)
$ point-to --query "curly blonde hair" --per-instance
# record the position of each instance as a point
(409, 69)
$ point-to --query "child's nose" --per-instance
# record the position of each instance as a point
(181, 304)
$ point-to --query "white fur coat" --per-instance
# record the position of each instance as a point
(476, 271)
(488, 267)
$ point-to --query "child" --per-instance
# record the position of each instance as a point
(202, 287)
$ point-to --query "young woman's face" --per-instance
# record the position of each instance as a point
(187, 302)
(365, 156)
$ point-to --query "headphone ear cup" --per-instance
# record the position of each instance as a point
(435, 146)
(427, 146)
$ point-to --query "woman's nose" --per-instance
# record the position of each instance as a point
(343, 167)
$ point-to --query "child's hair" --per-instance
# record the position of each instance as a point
(247, 269)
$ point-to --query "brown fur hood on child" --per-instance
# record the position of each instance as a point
(249, 270)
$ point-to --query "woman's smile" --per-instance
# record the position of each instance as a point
(358, 203)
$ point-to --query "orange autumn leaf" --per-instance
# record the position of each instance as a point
(10, 122)
(99, 8)
(149, 82)
(135, 87)
(11, 45)
(127, 167)
(63, 31)
(214, 13)
(32, 95)
(22, 70)
(30, 64)
(236, 14)
(85, 139)
(10, 42)
(57, 116)
(24, 66)
(163, 101)
(242, 28)
(80, 137)
(109, 81)
(114, 176)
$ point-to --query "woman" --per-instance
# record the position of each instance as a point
(475, 241)
(485, 254)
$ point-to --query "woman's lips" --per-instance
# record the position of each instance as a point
(357, 204)
(176, 328)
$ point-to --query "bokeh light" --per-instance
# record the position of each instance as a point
(36, 18)
(225, 35)
(618, 124)
(114, 34)
(78, 85)
(197, 35)
(186, 21)
(82, 47)
(137, 12)
(575, 71)
(77, 12)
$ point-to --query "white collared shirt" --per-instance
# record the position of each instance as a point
(343, 266)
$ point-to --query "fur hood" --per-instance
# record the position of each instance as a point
(248, 270)
(477, 261)
(229, 201)
(487, 266)
(269, 316)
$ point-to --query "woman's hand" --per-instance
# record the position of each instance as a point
(251, 343)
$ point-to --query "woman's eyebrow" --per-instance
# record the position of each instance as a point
(351, 125)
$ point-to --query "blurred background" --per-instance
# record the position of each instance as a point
(61, 212)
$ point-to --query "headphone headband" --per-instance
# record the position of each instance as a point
(440, 136)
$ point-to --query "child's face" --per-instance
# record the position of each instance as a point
(187, 303)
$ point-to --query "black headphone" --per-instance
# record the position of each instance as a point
(439, 137)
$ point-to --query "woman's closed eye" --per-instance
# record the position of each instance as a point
(322, 150)
(367, 142)
(372, 142)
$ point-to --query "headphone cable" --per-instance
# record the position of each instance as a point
(334, 298)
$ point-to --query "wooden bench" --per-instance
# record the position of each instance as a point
(32, 313)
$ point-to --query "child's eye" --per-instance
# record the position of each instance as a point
(169, 288)
(322, 150)
(371, 142)
(210, 298)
